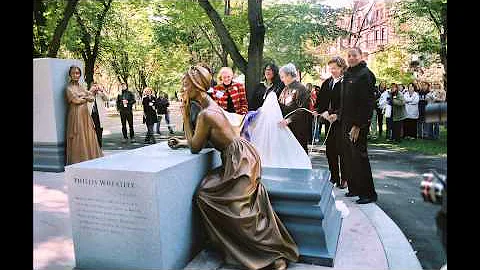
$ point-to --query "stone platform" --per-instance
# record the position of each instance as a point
(303, 200)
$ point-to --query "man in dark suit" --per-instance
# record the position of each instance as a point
(357, 105)
(328, 106)
(125, 101)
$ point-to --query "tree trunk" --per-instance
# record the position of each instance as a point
(224, 35)
(253, 68)
(62, 25)
(255, 48)
(443, 41)
(224, 58)
(89, 55)
(443, 57)
(89, 67)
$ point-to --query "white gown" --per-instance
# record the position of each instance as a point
(277, 146)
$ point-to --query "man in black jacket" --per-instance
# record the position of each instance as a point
(162, 105)
(328, 106)
(357, 104)
(125, 101)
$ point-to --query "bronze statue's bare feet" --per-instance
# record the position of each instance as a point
(280, 264)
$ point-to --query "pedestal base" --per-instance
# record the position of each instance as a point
(303, 200)
(49, 157)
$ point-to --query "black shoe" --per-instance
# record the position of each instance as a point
(366, 200)
(340, 186)
(350, 194)
(171, 132)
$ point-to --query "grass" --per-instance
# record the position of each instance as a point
(427, 147)
(423, 146)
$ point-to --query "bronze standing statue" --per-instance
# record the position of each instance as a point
(233, 202)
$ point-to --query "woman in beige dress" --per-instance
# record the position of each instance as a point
(82, 141)
(233, 202)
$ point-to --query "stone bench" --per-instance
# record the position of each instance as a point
(134, 210)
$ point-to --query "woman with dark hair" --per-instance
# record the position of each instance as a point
(149, 114)
(398, 113)
(271, 82)
(82, 143)
(233, 202)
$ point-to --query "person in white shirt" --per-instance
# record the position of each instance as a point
(411, 107)
(384, 102)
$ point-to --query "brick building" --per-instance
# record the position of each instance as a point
(372, 26)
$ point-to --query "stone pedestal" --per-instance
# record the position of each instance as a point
(50, 78)
(304, 202)
(135, 210)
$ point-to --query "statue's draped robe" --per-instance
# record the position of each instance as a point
(238, 214)
(82, 143)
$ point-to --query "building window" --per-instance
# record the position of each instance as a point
(377, 35)
(384, 37)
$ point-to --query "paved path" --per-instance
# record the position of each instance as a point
(397, 177)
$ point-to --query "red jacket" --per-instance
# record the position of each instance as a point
(237, 92)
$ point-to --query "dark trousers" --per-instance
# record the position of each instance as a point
(150, 137)
(360, 180)
(167, 120)
(98, 127)
(389, 122)
(410, 128)
(397, 127)
(124, 117)
(380, 121)
(334, 153)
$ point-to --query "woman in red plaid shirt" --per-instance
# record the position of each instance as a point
(230, 95)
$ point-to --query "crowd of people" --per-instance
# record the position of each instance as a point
(404, 110)
(225, 196)
(306, 108)
(349, 104)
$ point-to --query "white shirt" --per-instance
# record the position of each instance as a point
(336, 80)
(411, 104)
